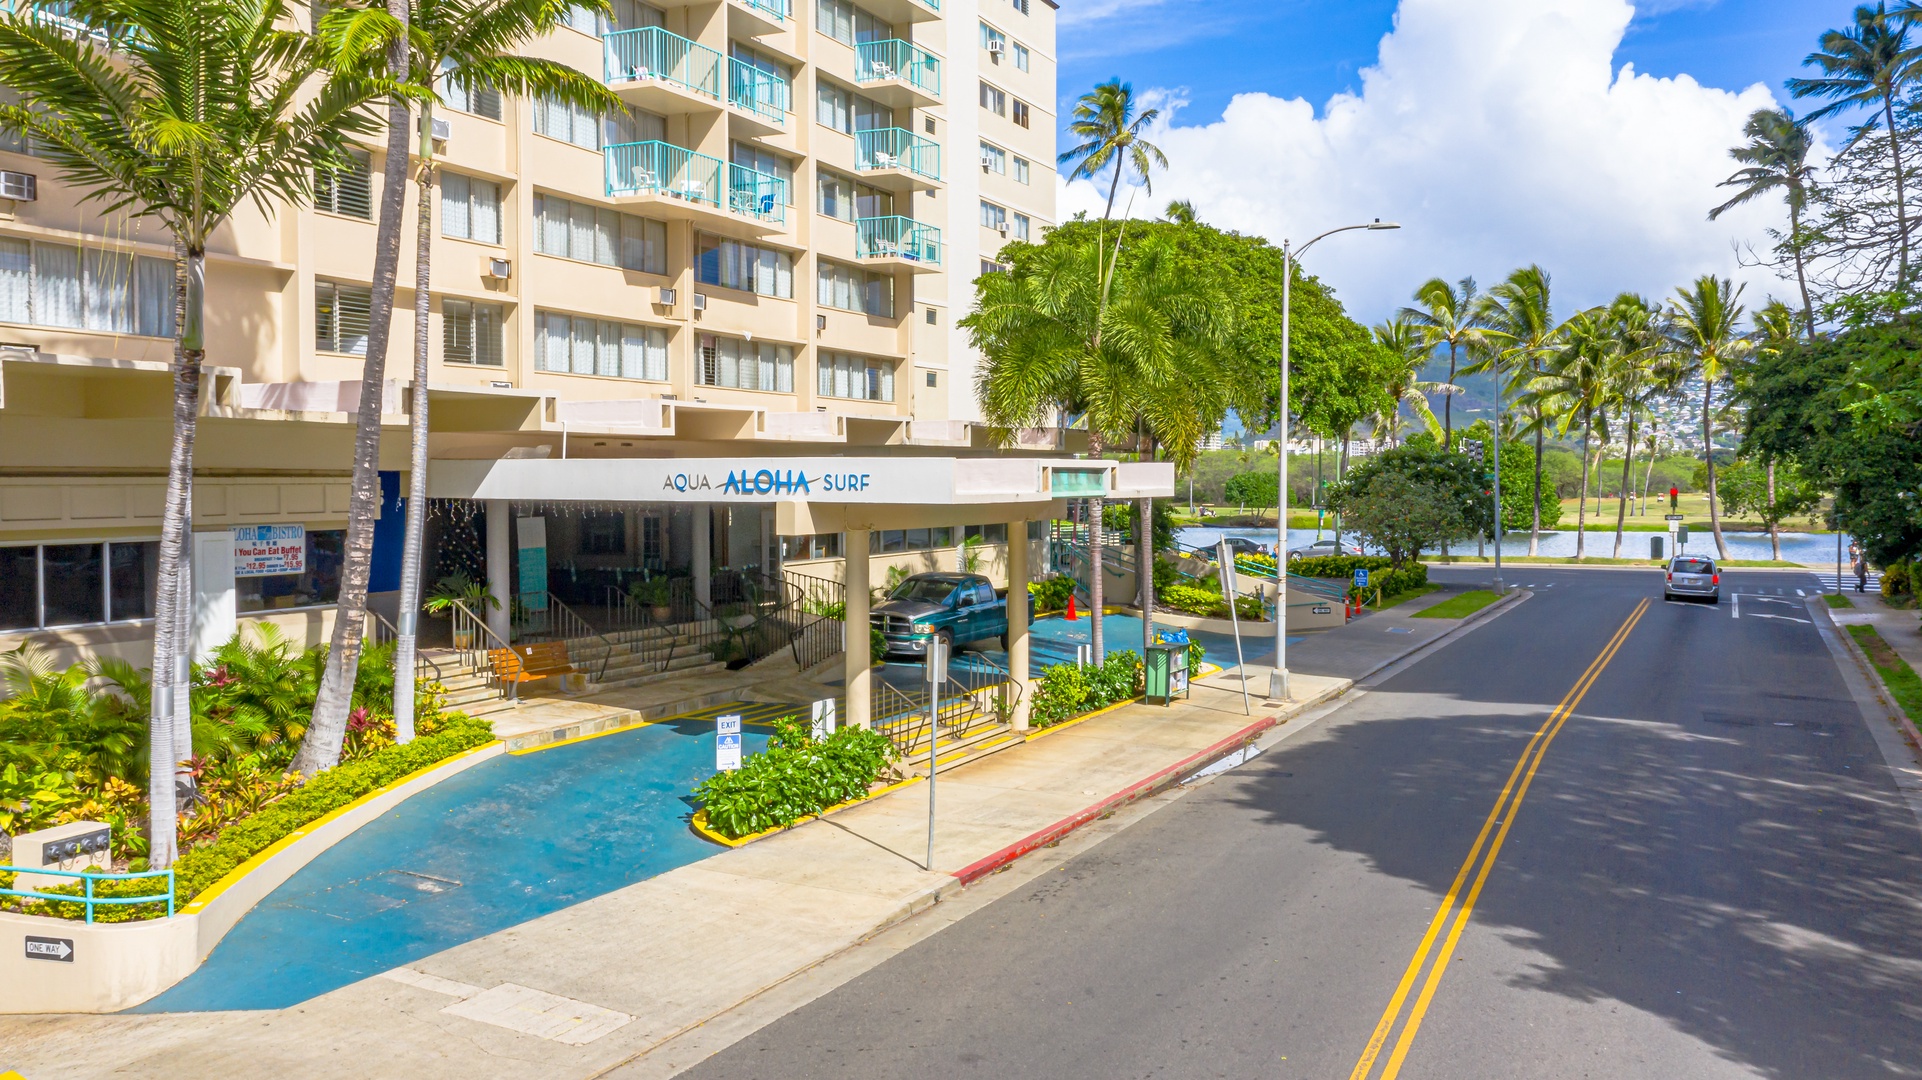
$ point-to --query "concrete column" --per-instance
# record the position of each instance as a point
(215, 615)
(1018, 621)
(704, 555)
(854, 546)
(500, 566)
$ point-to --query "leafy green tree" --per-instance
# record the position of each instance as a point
(186, 110)
(1751, 490)
(1776, 158)
(1705, 320)
(1520, 332)
(1252, 489)
(1574, 387)
(1449, 315)
(1411, 498)
(1110, 132)
(1520, 505)
(1871, 65)
(1635, 378)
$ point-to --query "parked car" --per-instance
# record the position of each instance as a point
(1324, 547)
(1692, 576)
(957, 608)
(1241, 545)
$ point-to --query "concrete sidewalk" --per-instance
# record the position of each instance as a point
(1902, 629)
(587, 988)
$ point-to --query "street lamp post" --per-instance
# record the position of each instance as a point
(1278, 681)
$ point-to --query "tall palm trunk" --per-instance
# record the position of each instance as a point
(1775, 530)
(1708, 458)
(1535, 529)
(1628, 465)
(1113, 187)
(1648, 475)
(408, 621)
(1581, 506)
(1801, 274)
(1901, 200)
(169, 651)
(1448, 402)
(320, 749)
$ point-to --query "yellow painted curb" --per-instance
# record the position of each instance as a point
(699, 821)
(1052, 728)
(638, 724)
(233, 876)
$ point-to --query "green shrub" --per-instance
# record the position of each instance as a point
(335, 788)
(1898, 580)
(1206, 602)
(1389, 583)
(1337, 566)
(1051, 594)
(793, 778)
(1065, 691)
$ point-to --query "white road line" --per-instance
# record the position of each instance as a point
(1735, 609)
(1785, 618)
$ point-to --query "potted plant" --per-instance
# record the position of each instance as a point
(459, 588)
(656, 595)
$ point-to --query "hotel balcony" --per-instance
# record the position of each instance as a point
(897, 241)
(667, 74)
(897, 159)
(898, 73)
(678, 183)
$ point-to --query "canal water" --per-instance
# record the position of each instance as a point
(1796, 547)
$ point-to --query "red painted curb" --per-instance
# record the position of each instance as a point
(975, 871)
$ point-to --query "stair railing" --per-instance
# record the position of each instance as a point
(384, 632)
(482, 646)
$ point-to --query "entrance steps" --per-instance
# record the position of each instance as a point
(954, 749)
(651, 655)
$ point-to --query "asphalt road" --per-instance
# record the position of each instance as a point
(1709, 874)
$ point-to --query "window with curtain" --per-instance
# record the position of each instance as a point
(44, 585)
(87, 289)
(568, 123)
(1020, 56)
(851, 288)
(580, 18)
(579, 345)
(470, 208)
(342, 314)
(577, 230)
(870, 115)
(843, 375)
(846, 23)
(1020, 114)
(764, 161)
(745, 365)
(472, 333)
(1021, 167)
(732, 264)
(993, 100)
(14, 141)
(479, 100)
(991, 37)
(992, 216)
(872, 202)
(1020, 229)
(346, 191)
(995, 158)
(836, 194)
(831, 107)
(633, 15)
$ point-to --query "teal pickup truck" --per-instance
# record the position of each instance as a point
(957, 608)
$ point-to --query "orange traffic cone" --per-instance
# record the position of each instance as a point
(1071, 615)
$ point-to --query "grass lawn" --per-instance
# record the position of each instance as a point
(1693, 507)
(1896, 674)
(1837, 600)
(1592, 560)
(1456, 607)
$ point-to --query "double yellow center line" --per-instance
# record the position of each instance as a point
(1479, 863)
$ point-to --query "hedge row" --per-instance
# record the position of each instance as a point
(793, 778)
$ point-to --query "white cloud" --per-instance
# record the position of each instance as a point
(1498, 133)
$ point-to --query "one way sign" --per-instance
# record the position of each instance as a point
(50, 948)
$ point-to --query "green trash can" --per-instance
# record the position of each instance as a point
(1165, 675)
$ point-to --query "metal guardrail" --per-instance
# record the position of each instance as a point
(478, 654)
(385, 633)
(977, 691)
(87, 896)
(561, 623)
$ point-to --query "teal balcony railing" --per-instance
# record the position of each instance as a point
(875, 61)
(55, 13)
(658, 168)
(897, 148)
(652, 53)
(759, 195)
(773, 9)
(897, 238)
(762, 93)
(934, 4)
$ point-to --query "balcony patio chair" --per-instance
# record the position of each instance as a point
(644, 179)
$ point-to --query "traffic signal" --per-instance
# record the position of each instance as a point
(1473, 448)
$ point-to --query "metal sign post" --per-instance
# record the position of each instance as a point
(937, 674)
(1225, 559)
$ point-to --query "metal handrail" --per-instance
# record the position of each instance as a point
(465, 619)
(385, 631)
(87, 897)
(565, 624)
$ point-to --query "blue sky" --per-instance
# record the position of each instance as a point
(1313, 49)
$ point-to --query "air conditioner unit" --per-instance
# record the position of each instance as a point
(987, 163)
(700, 301)
(1002, 228)
(19, 186)
(996, 48)
(441, 130)
(820, 322)
(665, 296)
(497, 269)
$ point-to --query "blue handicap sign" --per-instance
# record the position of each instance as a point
(1361, 579)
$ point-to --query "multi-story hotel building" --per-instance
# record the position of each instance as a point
(765, 260)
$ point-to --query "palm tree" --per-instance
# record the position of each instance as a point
(1105, 122)
(1450, 315)
(1632, 382)
(1776, 157)
(1705, 318)
(1412, 350)
(1520, 331)
(457, 43)
(1069, 330)
(195, 107)
(1870, 65)
(1572, 387)
(1181, 212)
(1774, 334)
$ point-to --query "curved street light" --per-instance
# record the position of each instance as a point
(1278, 681)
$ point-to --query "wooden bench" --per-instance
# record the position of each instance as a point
(526, 663)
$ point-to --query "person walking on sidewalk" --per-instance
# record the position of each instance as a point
(1860, 564)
